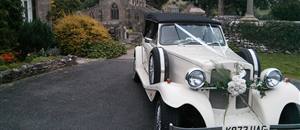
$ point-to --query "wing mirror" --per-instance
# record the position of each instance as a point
(227, 40)
(148, 40)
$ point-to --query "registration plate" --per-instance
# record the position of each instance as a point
(250, 127)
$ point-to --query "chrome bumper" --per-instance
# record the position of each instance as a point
(272, 127)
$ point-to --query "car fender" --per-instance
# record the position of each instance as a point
(176, 95)
(270, 106)
(138, 56)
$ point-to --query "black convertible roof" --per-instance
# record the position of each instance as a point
(178, 17)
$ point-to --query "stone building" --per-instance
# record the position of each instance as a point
(36, 9)
(180, 6)
(120, 16)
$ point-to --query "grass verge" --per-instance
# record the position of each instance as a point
(288, 64)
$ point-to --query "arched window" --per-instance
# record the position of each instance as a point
(114, 11)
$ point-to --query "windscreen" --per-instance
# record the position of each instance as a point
(209, 34)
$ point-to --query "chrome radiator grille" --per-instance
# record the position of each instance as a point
(219, 98)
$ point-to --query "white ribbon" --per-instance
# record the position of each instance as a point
(198, 40)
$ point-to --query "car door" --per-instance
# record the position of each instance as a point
(149, 42)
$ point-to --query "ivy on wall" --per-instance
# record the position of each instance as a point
(275, 35)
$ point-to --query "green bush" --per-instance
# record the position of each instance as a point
(34, 36)
(74, 31)
(1, 62)
(3, 67)
(107, 50)
(10, 21)
(286, 10)
(29, 58)
(281, 36)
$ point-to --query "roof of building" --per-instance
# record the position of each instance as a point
(178, 17)
(196, 10)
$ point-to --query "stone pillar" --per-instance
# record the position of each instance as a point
(42, 10)
(249, 16)
(221, 7)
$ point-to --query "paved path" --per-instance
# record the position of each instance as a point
(98, 95)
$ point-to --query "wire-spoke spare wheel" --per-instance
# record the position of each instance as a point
(158, 65)
(164, 115)
(251, 57)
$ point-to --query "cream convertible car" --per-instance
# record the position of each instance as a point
(197, 81)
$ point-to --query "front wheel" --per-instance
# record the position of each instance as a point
(164, 115)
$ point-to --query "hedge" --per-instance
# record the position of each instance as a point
(34, 36)
(275, 35)
(286, 10)
(108, 50)
(10, 21)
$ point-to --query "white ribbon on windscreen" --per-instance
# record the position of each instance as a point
(199, 40)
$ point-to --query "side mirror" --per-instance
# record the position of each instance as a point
(148, 40)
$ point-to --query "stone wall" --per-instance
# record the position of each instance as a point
(42, 8)
(230, 28)
(33, 69)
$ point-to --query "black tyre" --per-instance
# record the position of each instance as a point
(164, 115)
(290, 115)
(251, 57)
(158, 68)
(135, 76)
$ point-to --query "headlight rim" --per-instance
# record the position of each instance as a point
(266, 76)
(188, 75)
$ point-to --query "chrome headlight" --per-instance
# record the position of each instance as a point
(195, 78)
(271, 77)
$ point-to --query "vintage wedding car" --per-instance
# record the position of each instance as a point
(197, 81)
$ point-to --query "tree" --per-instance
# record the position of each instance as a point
(157, 3)
(60, 8)
(10, 21)
(234, 7)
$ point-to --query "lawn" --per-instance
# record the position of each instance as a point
(288, 64)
